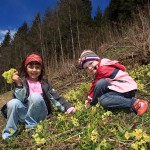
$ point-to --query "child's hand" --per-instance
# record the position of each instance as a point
(16, 79)
(88, 106)
(71, 110)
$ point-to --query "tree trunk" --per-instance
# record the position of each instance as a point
(72, 40)
(60, 41)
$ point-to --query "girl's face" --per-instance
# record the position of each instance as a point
(90, 67)
(34, 71)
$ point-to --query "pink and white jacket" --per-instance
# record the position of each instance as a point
(105, 68)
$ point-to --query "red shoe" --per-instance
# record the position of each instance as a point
(140, 107)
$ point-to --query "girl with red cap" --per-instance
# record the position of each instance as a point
(112, 85)
(32, 97)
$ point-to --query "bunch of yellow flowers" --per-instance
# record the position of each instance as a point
(140, 137)
(36, 136)
(94, 135)
(106, 114)
(8, 75)
(75, 121)
(37, 139)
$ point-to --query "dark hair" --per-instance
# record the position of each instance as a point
(22, 71)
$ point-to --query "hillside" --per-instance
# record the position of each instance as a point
(86, 129)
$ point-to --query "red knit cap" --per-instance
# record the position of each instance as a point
(33, 57)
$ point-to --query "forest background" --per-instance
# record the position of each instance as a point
(62, 34)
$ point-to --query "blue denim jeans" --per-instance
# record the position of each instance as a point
(30, 113)
(112, 99)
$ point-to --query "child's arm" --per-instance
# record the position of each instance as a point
(19, 91)
(59, 101)
(91, 92)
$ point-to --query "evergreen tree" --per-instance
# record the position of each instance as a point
(50, 35)
(22, 32)
(86, 12)
(6, 51)
(98, 18)
(19, 44)
(7, 40)
(35, 36)
(122, 10)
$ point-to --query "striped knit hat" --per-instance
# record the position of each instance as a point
(87, 55)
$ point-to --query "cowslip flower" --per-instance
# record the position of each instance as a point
(94, 135)
(103, 143)
(134, 146)
(75, 121)
(35, 135)
(143, 148)
(106, 114)
(138, 133)
(127, 135)
(113, 130)
(60, 117)
(11, 131)
(39, 128)
(37, 139)
(146, 137)
(40, 140)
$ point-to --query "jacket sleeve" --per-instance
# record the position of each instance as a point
(90, 95)
(91, 98)
(19, 92)
(58, 100)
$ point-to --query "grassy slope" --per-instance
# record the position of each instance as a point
(86, 129)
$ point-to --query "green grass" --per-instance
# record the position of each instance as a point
(92, 129)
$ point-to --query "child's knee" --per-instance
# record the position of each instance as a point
(104, 100)
(13, 103)
(102, 83)
(35, 98)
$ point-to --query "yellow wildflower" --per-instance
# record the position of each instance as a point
(148, 74)
(43, 141)
(134, 146)
(75, 121)
(113, 130)
(146, 137)
(142, 148)
(103, 143)
(39, 128)
(35, 135)
(127, 135)
(141, 142)
(94, 135)
(138, 133)
(60, 117)
(11, 130)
